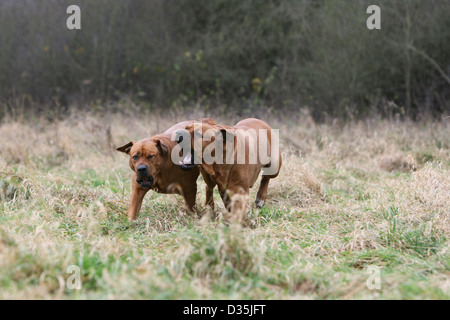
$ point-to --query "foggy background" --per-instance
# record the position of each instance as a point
(245, 55)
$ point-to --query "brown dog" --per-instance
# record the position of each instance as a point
(150, 159)
(246, 149)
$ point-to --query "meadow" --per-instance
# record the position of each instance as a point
(351, 196)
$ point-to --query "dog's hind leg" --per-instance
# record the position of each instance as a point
(261, 196)
(262, 192)
(225, 195)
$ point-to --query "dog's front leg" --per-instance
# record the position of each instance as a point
(137, 196)
(210, 184)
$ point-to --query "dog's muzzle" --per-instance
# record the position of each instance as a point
(143, 178)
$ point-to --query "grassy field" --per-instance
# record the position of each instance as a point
(351, 200)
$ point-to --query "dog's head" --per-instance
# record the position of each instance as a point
(202, 136)
(147, 158)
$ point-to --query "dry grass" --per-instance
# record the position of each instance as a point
(372, 193)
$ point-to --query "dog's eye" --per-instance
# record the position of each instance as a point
(135, 157)
(150, 156)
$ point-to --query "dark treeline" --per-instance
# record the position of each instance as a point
(284, 54)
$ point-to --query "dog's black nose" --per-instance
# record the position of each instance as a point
(142, 168)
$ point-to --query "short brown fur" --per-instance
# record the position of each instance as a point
(235, 178)
(168, 178)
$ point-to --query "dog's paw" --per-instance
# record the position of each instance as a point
(259, 203)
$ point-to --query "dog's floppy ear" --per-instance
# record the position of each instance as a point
(163, 149)
(126, 148)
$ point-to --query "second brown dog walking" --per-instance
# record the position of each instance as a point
(233, 175)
